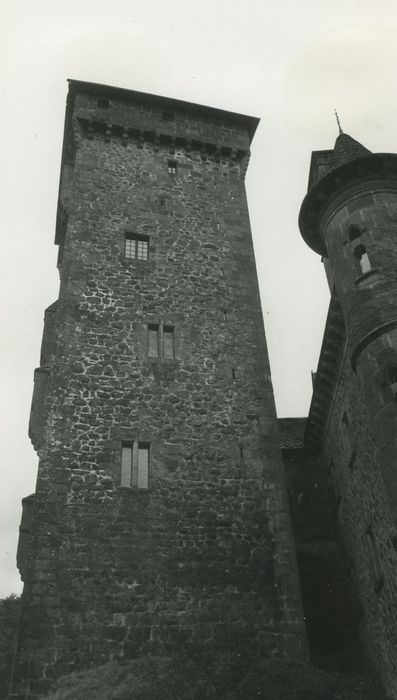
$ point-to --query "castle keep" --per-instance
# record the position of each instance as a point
(160, 518)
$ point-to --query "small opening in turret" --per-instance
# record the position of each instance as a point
(354, 232)
(360, 252)
(391, 380)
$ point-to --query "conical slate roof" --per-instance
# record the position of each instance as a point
(345, 150)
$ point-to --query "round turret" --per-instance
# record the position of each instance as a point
(350, 217)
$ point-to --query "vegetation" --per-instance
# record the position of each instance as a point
(154, 677)
(9, 615)
(199, 676)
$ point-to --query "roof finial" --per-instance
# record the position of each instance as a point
(338, 122)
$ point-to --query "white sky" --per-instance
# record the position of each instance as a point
(289, 63)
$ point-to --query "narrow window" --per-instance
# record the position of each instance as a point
(141, 249)
(172, 165)
(360, 252)
(126, 465)
(391, 380)
(136, 247)
(168, 116)
(142, 477)
(359, 249)
(161, 341)
(168, 342)
(135, 465)
(103, 103)
(153, 340)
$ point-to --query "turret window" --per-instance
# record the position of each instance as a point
(354, 232)
(360, 252)
(391, 380)
(135, 465)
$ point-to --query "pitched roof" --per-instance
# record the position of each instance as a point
(291, 432)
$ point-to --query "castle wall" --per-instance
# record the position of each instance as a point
(331, 607)
(350, 215)
(202, 553)
(364, 522)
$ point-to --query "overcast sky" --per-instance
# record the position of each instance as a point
(289, 63)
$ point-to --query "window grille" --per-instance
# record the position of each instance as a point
(136, 247)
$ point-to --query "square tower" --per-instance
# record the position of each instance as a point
(160, 518)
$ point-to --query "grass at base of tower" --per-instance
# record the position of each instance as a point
(223, 678)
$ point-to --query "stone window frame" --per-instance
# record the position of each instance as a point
(135, 467)
(138, 244)
(161, 339)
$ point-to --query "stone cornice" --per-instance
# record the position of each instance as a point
(370, 337)
(190, 108)
(130, 133)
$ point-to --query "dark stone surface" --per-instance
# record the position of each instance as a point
(205, 555)
(354, 403)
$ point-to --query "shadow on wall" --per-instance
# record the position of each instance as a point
(332, 613)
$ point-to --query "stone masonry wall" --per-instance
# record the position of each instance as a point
(360, 443)
(364, 521)
(205, 554)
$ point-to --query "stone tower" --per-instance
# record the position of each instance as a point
(160, 518)
(350, 217)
